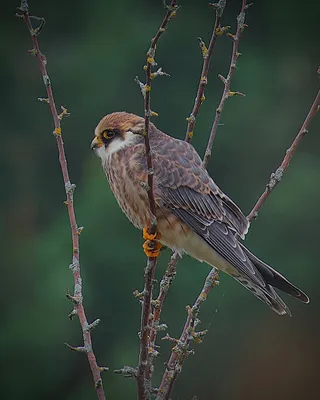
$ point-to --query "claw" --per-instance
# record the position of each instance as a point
(148, 236)
(152, 248)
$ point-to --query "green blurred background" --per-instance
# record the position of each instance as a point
(94, 51)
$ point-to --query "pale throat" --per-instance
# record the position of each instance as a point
(116, 145)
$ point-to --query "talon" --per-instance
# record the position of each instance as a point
(148, 236)
(152, 248)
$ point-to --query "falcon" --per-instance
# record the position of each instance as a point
(193, 215)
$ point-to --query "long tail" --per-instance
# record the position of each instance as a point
(273, 279)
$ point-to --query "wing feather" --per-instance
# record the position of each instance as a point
(183, 182)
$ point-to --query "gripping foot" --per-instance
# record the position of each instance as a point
(151, 246)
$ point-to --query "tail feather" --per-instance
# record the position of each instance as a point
(273, 278)
(266, 294)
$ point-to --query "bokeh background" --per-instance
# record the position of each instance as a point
(94, 51)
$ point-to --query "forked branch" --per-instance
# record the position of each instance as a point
(77, 297)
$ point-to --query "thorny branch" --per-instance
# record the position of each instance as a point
(276, 177)
(206, 54)
(77, 297)
(181, 350)
(227, 81)
(144, 371)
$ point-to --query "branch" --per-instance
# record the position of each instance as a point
(77, 297)
(181, 349)
(206, 54)
(227, 81)
(276, 177)
(144, 371)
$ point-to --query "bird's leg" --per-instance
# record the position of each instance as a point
(151, 246)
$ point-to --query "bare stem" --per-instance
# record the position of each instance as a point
(276, 177)
(144, 371)
(181, 349)
(77, 298)
(206, 54)
(227, 81)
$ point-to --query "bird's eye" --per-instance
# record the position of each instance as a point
(108, 134)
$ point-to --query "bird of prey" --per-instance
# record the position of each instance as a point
(194, 216)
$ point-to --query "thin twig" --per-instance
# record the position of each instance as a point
(144, 368)
(181, 349)
(276, 177)
(206, 54)
(227, 81)
(77, 298)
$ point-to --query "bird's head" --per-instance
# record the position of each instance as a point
(116, 131)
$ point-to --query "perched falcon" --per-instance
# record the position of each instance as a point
(194, 216)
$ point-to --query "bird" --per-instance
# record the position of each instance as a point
(193, 214)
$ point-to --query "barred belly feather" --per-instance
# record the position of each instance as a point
(125, 184)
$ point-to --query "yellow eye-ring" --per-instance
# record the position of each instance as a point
(108, 134)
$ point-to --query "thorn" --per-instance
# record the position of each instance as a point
(74, 299)
(138, 295)
(230, 94)
(79, 230)
(230, 35)
(36, 31)
(70, 187)
(196, 336)
(57, 132)
(103, 369)
(159, 72)
(171, 339)
(141, 85)
(94, 324)
(127, 372)
(80, 349)
(98, 384)
(72, 314)
(64, 113)
(161, 327)
(222, 78)
(191, 118)
(33, 52)
(74, 267)
(221, 29)
(46, 80)
(203, 47)
(43, 100)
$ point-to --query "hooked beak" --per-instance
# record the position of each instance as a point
(96, 143)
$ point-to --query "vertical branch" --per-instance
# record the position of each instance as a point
(144, 370)
(227, 81)
(77, 297)
(276, 177)
(206, 54)
(181, 349)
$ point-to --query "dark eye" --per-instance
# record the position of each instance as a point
(108, 134)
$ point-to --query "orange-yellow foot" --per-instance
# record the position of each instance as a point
(148, 236)
(152, 248)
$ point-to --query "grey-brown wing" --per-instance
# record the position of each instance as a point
(185, 183)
